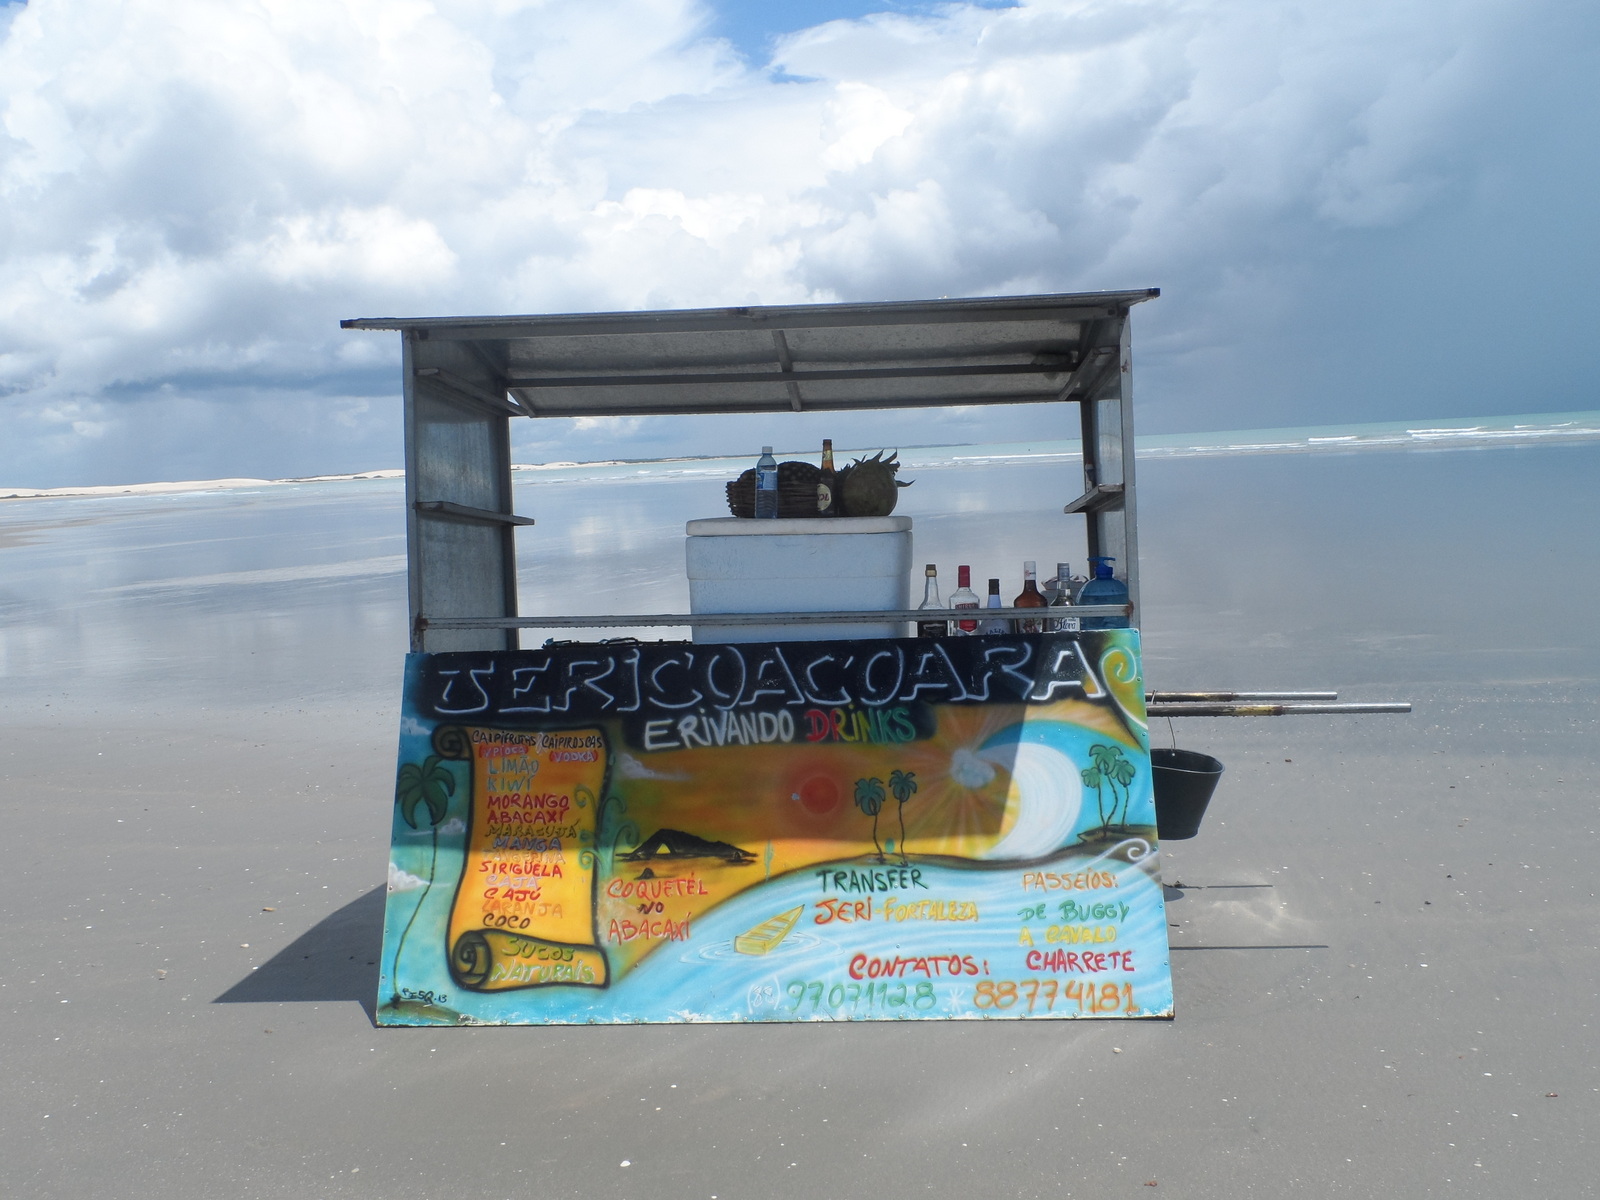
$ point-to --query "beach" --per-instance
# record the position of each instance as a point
(1384, 967)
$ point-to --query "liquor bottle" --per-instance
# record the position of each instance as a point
(1059, 594)
(1104, 588)
(827, 500)
(767, 484)
(963, 597)
(1029, 597)
(995, 625)
(930, 599)
(1053, 587)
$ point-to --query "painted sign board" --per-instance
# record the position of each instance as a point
(857, 830)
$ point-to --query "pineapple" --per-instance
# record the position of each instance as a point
(868, 487)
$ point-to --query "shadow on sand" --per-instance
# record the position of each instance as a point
(336, 959)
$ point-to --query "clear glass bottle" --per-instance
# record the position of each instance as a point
(1059, 594)
(930, 599)
(827, 497)
(963, 597)
(1029, 597)
(1053, 586)
(995, 625)
(767, 484)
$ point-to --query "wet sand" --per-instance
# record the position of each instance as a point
(1384, 962)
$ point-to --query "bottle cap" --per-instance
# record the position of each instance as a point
(1029, 567)
(994, 585)
(930, 569)
(766, 449)
(963, 576)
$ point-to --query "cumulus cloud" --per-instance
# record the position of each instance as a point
(404, 881)
(629, 767)
(193, 193)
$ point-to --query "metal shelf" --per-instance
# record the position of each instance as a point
(659, 620)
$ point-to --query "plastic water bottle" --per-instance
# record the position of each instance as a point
(1104, 588)
(767, 484)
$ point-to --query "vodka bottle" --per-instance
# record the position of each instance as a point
(1029, 597)
(827, 497)
(766, 484)
(995, 624)
(930, 599)
(1053, 587)
(963, 597)
(1059, 594)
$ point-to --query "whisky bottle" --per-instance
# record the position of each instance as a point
(1029, 597)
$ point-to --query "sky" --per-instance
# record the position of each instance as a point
(1356, 212)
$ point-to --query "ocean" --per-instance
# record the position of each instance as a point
(1333, 556)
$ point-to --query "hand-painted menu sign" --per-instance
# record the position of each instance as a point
(858, 830)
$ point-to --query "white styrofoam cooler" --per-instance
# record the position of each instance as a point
(812, 564)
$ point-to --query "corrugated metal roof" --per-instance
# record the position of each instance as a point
(813, 357)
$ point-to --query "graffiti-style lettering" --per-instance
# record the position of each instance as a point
(830, 909)
(932, 671)
(1002, 664)
(1106, 910)
(654, 889)
(621, 932)
(461, 697)
(771, 677)
(722, 675)
(587, 681)
(1080, 962)
(1076, 935)
(883, 726)
(1064, 668)
(1081, 881)
(883, 879)
(932, 966)
(929, 910)
(628, 826)
(668, 685)
(861, 996)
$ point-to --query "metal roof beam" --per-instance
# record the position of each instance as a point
(791, 377)
(1070, 307)
(786, 365)
(699, 405)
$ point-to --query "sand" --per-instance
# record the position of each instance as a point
(1383, 955)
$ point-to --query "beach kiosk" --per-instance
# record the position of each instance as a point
(812, 826)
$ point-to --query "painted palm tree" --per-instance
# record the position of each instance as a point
(430, 785)
(1110, 768)
(869, 799)
(904, 785)
(1122, 772)
(1092, 778)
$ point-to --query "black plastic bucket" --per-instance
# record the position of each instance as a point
(1183, 781)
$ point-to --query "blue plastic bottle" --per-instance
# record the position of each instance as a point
(767, 484)
(1104, 588)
